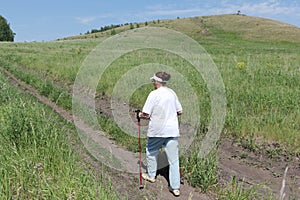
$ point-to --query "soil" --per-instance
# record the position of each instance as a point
(249, 168)
(253, 168)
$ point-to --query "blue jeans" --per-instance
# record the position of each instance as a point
(171, 148)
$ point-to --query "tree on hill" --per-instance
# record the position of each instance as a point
(131, 26)
(6, 34)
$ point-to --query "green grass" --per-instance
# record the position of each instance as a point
(200, 172)
(260, 71)
(261, 95)
(58, 94)
(37, 160)
(236, 191)
(58, 61)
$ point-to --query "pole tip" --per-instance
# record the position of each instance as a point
(141, 187)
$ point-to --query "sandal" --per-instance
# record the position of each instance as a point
(176, 193)
(147, 178)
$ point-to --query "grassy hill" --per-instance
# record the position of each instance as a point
(212, 27)
(257, 58)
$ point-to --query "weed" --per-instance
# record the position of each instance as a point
(236, 191)
(249, 142)
(244, 156)
(200, 172)
(240, 65)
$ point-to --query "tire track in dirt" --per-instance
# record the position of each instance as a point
(255, 168)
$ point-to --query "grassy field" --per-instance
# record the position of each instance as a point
(260, 70)
(258, 60)
(37, 160)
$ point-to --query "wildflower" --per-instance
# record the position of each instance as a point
(241, 65)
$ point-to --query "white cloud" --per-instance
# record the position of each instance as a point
(85, 20)
(288, 10)
(174, 12)
(90, 19)
(270, 7)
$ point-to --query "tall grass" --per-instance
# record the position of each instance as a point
(58, 94)
(262, 97)
(200, 172)
(37, 161)
(261, 79)
(54, 60)
(236, 191)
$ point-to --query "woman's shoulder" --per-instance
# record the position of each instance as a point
(170, 90)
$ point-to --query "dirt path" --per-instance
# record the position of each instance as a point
(234, 161)
(251, 169)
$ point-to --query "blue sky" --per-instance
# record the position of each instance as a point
(37, 20)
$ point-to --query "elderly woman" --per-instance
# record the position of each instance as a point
(162, 108)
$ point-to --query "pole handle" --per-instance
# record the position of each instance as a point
(137, 115)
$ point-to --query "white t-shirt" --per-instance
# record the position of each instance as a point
(162, 105)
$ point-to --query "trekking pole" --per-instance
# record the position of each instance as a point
(180, 170)
(140, 147)
(181, 177)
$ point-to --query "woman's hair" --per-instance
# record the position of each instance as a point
(164, 76)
